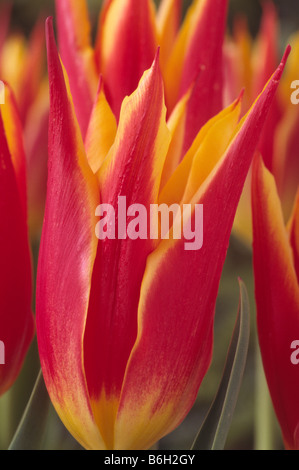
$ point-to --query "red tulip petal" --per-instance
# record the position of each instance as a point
(177, 300)
(221, 126)
(127, 47)
(16, 319)
(277, 299)
(67, 253)
(77, 56)
(132, 170)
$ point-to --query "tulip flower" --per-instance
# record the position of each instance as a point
(16, 319)
(124, 325)
(248, 64)
(275, 256)
(22, 65)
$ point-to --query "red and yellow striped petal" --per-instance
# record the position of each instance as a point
(177, 301)
(78, 56)
(211, 150)
(223, 125)
(16, 319)
(132, 170)
(277, 299)
(126, 48)
(67, 253)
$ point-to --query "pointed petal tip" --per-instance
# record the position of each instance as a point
(285, 56)
(257, 161)
(241, 94)
(49, 30)
(157, 57)
(100, 85)
(240, 97)
(49, 23)
(287, 52)
(275, 79)
(155, 69)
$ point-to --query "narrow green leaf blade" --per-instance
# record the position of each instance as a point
(214, 431)
(32, 428)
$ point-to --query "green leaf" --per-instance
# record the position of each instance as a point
(214, 431)
(32, 428)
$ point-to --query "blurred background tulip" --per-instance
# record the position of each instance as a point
(248, 62)
(275, 256)
(23, 66)
(16, 318)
